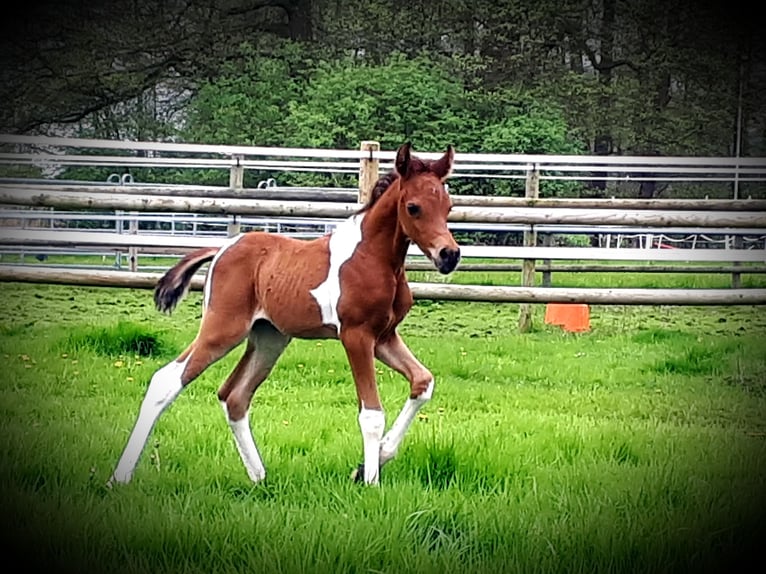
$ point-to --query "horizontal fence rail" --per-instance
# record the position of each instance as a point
(274, 208)
(477, 293)
(161, 154)
(58, 219)
(42, 187)
(32, 237)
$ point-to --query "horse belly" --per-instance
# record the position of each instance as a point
(296, 314)
(283, 289)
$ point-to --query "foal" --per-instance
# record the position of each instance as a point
(350, 285)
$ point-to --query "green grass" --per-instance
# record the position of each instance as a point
(639, 446)
(118, 339)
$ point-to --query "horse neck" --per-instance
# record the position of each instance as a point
(382, 228)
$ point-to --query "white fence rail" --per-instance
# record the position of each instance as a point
(347, 161)
(68, 238)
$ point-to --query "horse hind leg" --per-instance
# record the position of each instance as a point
(264, 347)
(213, 342)
(166, 384)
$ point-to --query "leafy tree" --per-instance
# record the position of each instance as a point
(248, 104)
(403, 99)
(518, 122)
(641, 76)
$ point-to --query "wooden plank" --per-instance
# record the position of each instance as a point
(244, 206)
(590, 296)
(536, 215)
(613, 203)
(65, 237)
(178, 190)
(172, 204)
(595, 268)
(440, 291)
(349, 196)
(531, 191)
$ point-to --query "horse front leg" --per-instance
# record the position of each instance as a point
(359, 345)
(395, 354)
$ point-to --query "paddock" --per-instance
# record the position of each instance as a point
(635, 446)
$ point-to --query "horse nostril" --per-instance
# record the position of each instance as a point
(449, 257)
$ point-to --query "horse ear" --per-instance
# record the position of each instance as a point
(403, 159)
(442, 167)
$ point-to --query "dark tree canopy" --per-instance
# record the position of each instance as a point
(626, 76)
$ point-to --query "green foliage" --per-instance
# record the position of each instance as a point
(25, 171)
(248, 103)
(400, 100)
(523, 124)
(289, 101)
(648, 76)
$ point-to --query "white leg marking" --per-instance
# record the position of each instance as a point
(209, 279)
(343, 241)
(373, 423)
(164, 387)
(390, 443)
(243, 437)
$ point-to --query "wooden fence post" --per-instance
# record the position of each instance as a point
(547, 278)
(368, 169)
(736, 278)
(233, 227)
(133, 251)
(237, 173)
(532, 190)
(236, 183)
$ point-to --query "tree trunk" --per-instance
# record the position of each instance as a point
(300, 24)
(603, 143)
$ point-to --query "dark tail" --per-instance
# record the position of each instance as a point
(172, 287)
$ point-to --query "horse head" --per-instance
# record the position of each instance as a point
(424, 205)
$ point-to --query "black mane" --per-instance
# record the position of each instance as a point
(385, 181)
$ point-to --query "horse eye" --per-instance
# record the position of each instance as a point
(413, 209)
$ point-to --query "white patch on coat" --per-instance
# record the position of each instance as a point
(209, 279)
(164, 387)
(246, 447)
(343, 241)
(393, 438)
(372, 423)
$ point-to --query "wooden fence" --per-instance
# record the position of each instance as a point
(732, 217)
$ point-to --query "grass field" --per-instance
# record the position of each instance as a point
(639, 446)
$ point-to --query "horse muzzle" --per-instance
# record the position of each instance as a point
(446, 260)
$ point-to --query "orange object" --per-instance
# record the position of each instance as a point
(572, 317)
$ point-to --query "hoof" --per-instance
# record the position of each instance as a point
(357, 475)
